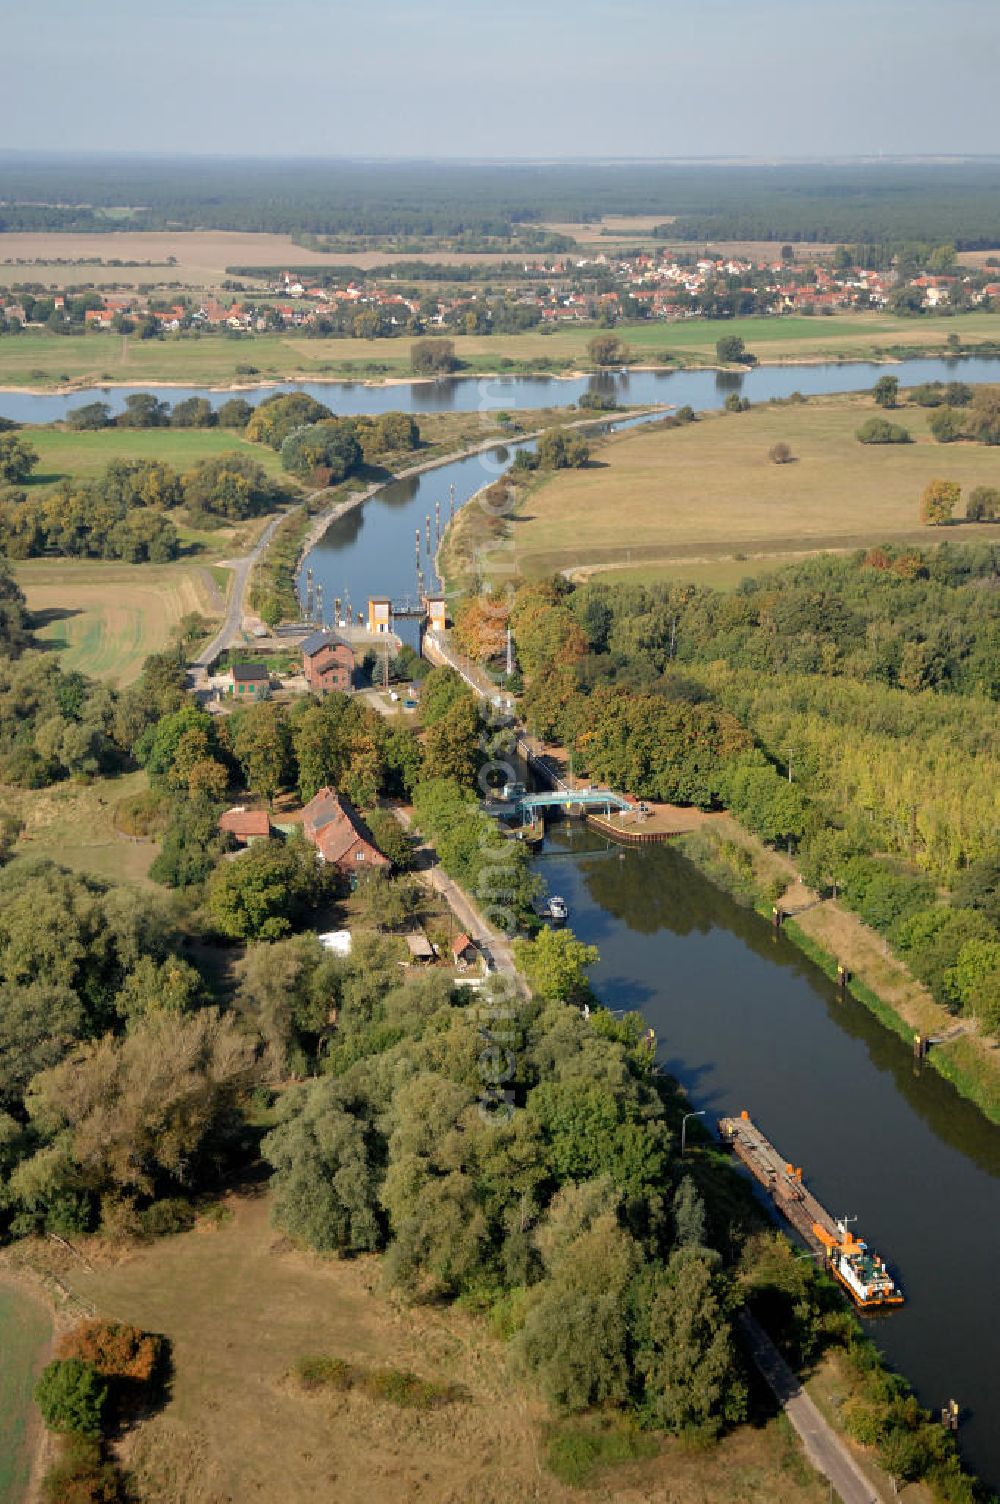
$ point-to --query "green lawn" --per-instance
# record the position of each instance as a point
(24, 1330)
(708, 492)
(44, 360)
(65, 453)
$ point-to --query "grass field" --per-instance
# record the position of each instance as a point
(241, 1305)
(717, 574)
(74, 824)
(105, 618)
(24, 1331)
(63, 452)
(708, 492)
(45, 360)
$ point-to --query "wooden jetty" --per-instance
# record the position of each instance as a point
(782, 1181)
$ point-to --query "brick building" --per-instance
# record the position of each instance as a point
(328, 663)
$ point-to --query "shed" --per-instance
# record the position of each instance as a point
(250, 681)
(420, 947)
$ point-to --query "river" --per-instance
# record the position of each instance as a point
(702, 389)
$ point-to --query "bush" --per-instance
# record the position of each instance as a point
(574, 1454)
(115, 1351)
(946, 425)
(71, 1396)
(881, 431)
(780, 454)
(81, 1476)
(398, 1386)
(171, 1215)
(321, 1372)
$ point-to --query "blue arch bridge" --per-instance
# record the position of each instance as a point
(524, 807)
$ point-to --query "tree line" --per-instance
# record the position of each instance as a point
(873, 676)
(121, 514)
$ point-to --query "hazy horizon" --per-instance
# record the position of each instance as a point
(637, 80)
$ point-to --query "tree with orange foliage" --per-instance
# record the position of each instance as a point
(481, 625)
(115, 1350)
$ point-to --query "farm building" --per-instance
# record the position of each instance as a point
(249, 681)
(246, 826)
(332, 824)
(327, 662)
(464, 952)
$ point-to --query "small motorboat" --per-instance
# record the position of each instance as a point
(558, 912)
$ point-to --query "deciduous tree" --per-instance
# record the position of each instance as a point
(938, 501)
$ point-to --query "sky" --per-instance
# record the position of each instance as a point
(508, 78)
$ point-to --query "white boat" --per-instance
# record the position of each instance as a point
(558, 912)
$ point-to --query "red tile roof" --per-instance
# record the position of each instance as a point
(334, 827)
(244, 823)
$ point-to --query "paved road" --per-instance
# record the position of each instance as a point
(824, 1448)
(242, 569)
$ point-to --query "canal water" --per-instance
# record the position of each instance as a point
(744, 1020)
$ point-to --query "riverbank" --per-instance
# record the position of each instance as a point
(831, 936)
(25, 1340)
(46, 364)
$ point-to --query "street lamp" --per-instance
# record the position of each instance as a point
(684, 1123)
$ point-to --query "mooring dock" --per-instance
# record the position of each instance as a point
(782, 1181)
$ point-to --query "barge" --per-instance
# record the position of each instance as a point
(853, 1264)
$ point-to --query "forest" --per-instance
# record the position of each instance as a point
(844, 709)
(867, 202)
